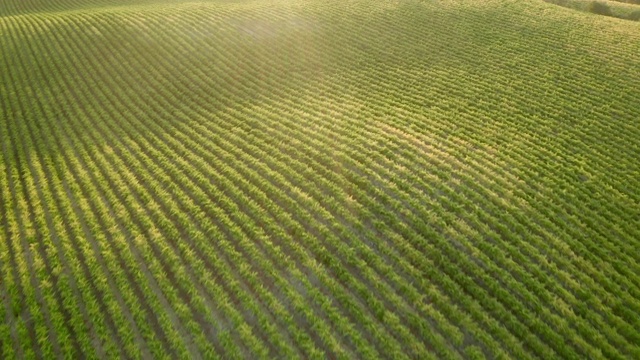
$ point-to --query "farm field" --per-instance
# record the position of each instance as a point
(622, 9)
(318, 179)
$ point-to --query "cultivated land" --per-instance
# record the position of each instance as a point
(318, 179)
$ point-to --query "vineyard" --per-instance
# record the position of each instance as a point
(318, 179)
(615, 8)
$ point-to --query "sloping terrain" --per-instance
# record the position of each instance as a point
(318, 179)
(615, 8)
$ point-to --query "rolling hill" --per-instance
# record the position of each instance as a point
(270, 179)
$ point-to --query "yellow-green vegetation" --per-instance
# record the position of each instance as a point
(269, 179)
(622, 9)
